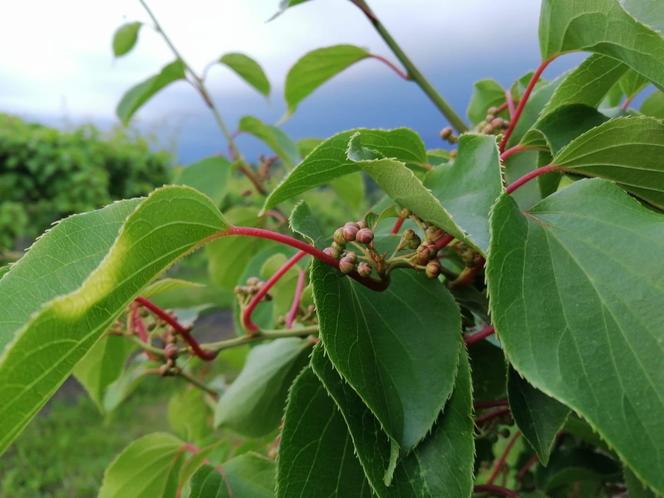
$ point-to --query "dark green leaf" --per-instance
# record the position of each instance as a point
(250, 475)
(577, 305)
(317, 67)
(576, 465)
(398, 348)
(635, 487)
(489, 371)
(125, 38)
(247, 69)
(303, 222)
(210, 176)
(138, 95)
(274, 137)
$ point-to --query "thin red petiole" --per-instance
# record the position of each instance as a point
(626, 103)
(400, 72)
(513, 150)
(443, 242)
(178, 327)
(524, 100)
(496, 490)
(503, 458)
(526, 467)
(247, 322)
(397, 225)
(486, 331)
(139, 328)
(491, 415)
(492, 403)
(550, 168)
(297, 298)
(509, 102)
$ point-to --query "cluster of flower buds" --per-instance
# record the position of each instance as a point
(468, 255)
(351, 232)
(250, 289)
(448, 135)
(493, 124)
(426, 252)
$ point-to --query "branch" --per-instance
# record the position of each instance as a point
(486, 331)
(550, 168)
(261, 335)
(403, 75)
(503, 458)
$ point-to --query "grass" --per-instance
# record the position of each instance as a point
(65, 450)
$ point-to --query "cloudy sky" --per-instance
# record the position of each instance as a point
(56, 63)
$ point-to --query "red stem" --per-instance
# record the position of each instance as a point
(496, 490)
(627, 102)
(400, 72)
(139, 328)
(178, 327)
(501, 461)
(492, 403)
(442, 242)
(247, 322)
(513, 150)
(509, 102)
(486, 331)
(277, 216)
(397, 225)
(491, 415)
(297, 298)
(549, 168)
(524, 100)
(502, 107)
(526, 467)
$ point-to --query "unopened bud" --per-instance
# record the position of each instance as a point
(432, 269)
(338, 237)
(364, 236)
(364, 269)
(424, 253)
(332, 251)
(350, 256)
(411, 238)
(446, 133)
(349, 231)
(490, 117)
(487, 130)
(252, 281)
(497, 122)
(454, 153)
(346, 265)
(362, 224)
(434, 233)
(171, 351)
(492, 110)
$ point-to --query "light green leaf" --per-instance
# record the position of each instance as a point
(95, 268)
(317, 67)
(469, 188)
(653, 105)
(247, 69)
(138, 95)
(398, 348)
(210, 176)
(316, 455)
(285, 4)
(128, 381)
(631, 84)
(302, 221)
(577, 305)
(189, 415)
(538, 416)
(350, 189)
(635, 488)
(250, 475)
(254, 403)
(486, 94)
(329, 160)
(625, 150)
(601, 26)
(166, 285)
(442, 465)
(647, 12)
(125, 38)
(274, 137)
(147, 468)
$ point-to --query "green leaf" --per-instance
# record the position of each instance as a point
(442, 465)
(125, 38)
(316, 455)
(647, 12)
(588, 84)
(486, 94)
(577, 465)
(533, 108)
(254, 403)
(317, 67)
(303, 222)
(329, 160)
(398, 349)
(285, 4)
(80, 276)
(210, 176)
(635, 488)
(138, 95)
(601, 26)
(538, 416)
(147, 468)
(489, 371)
(124, 386)
(350, 189)
(274, 137)
(653, 105)
(102, 366)
(250, 475)
(577, 305)
(247, 69)
(625, 150)
(631, 84)
(166, 285)
(469, 188)
(189, 415)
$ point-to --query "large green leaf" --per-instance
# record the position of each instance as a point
(89, 287)
(247, 69)
(329, 160)
(189, 414)
(210, 176)
(533, 108)
(578, 304)
(538, 416)
(602, 26)
(470, 186)
(653, 105)
(486, 94)
(125, 37)
(316, 455)
(274, 137)
(317, 67)
(254, 403)
(625, 150)
(647, 12)
(442, 465)
(250, 475)
(398, 348)
(635, 487)
(138, 95)
(147, 468)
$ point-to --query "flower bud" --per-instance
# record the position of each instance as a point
(346, 265)
(432, 269)
(454, 153)
(332, 251)
(497, 122)
(434, 233)
(349, 231)
(411, 238)
(424, 253)
(350, 256)
(364, 269)
(492, 110)
(338, 237)
(171, 351)
(487, 130)
(253, 281)
(364, 236)
(362, 224)
(446, 133)
(490, 117)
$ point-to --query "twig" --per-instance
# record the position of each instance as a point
(297, 298)
(486, 331)
(497, 490)
(503, 458)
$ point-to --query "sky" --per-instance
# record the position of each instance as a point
(56, 63)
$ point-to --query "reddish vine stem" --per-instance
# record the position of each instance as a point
(526, 467)
(297, 298)
(400, 72)
(492, 403)
(178, 327)
(486, 331)
(397, 225)
(549, 168)
(626, 103)
(491, 415)
(524, 100)
(513, 150)
(496, 490)
(503, 458)
(247, 322)
(509, 103)
(468, 275)
(139, 328)
(443, 242)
